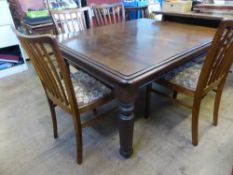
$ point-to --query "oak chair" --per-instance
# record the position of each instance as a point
(75, 93)
(72, 20)
(197, 78)
(109, 13)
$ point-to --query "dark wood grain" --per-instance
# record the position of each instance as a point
(129, 55)
(131, 49)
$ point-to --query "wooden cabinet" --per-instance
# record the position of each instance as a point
(9, 43)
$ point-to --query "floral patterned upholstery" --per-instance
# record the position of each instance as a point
(87, 89)
(186, 75)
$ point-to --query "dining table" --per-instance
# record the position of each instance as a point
(130, 55)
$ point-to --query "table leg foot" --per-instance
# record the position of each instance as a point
(126, 154)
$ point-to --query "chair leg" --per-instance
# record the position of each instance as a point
(79, 148)
(217, 103)
(67, 65)
(79, 140)
(174, 94)
(54, 119)
(94, 111)
(195, 119)
(147, 104)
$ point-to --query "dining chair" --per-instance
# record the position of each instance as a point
(109, 13)
(72, 20)
(75, 93)
(200, 76)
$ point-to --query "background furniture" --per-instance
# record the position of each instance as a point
(196, 78)
(215, 8)
(129, 55)
(47, 27)
(89, 2)
(36, 25)
(75, 94)
(19, 7)
(141, 11)
(200, 19)
(18, 10)
(9, 43)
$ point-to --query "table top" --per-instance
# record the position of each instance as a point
(134, 49)
(193, 14)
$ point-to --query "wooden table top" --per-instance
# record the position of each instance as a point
(131, 50)
(192, 14)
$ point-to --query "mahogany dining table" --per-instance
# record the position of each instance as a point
(129, 55)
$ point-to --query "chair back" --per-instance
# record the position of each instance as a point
(72, 20)
(219, 57)
(109, 13)
(51, 69)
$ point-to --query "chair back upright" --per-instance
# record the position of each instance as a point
(109, 13)
(51, 69)
(72, 20)
(219, 58)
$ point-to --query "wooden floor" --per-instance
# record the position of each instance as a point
(162, 143)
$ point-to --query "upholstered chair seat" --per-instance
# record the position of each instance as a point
(88, 89)
(186, 75)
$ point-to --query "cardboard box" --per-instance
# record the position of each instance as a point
(177, 6)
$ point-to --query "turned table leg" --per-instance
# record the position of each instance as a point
(126, 124)
(126, 98)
